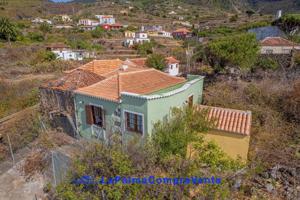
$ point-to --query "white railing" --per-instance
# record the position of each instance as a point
(98, 132)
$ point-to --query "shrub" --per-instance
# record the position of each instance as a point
(297, 58)
(234, 18)
(45, 27)
(267, 63)
(156, 61)
(99, 32)
(36, 36)
(8, 30)
(145, 48)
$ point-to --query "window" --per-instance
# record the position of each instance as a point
(134, 122)
(190, 100)
(95, 116)
(269, 51)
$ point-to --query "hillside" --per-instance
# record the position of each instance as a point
(271, 6)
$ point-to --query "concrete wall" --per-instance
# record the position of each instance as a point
(232, 144)
(276, 50)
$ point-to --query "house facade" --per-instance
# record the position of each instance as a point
(139, 38)
(182, 33)
(121, 104)
(172, 66)
(277, 45)
(88, 22)
(129, 34)
(106, 19)
(116, 26)
(63, 52)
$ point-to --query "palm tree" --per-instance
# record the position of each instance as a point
(8, 30)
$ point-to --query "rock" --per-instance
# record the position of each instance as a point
(237, 184)
(270, 188)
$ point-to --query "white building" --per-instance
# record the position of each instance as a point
(63, 52)
(277, 45)
(164, 34)
(140, 38)
(172, 66)
(40, 21)
(88, 22)
(106, 19)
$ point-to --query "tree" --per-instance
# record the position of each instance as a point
(98, 32)
(156, 61)
(238, 50)
(8, 30)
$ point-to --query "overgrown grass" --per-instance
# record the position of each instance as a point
(17, 96)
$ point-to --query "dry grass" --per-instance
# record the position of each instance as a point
(272, 133)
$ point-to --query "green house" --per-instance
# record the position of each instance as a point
(130, 102)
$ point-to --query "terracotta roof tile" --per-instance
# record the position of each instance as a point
(276, 41)
(107, 68)
(138, 82)
(139, 61)
(229, 120)
(74, 80)
(172, 60)
(184, 30)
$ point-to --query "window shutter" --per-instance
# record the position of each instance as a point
(89, 114)
(127, 119)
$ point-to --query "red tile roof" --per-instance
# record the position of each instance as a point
(74, 80)
(276, 41)
(172, 60)
(107, 68)
(229, 120)
(57, 46)
(139, 61)
(138, 82)
(182, 30)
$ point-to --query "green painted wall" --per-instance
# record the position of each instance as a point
(81, 101)
(160, 108)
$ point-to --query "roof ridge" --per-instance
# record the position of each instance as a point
(134, 72)
(232, 109)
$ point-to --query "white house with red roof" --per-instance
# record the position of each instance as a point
(277, 45)
(172, 66)
(106, 19)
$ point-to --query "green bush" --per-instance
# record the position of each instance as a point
(36, 36)
(99, 32)
(156, 61)
(267, 63)
(145, 48)
(8, 30)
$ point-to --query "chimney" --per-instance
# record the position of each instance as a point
(124, 67)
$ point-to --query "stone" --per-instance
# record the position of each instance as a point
(269, 188)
